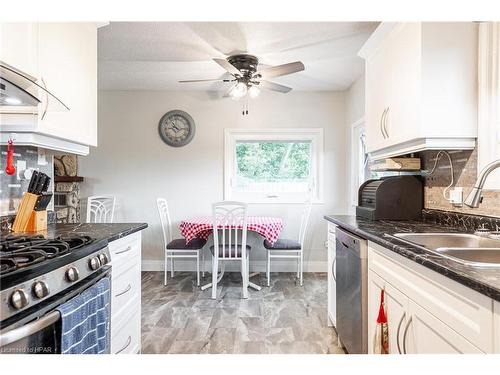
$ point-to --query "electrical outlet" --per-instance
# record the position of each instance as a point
(456, 196)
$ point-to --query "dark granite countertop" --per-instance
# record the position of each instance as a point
(483, 280)
(100, 232)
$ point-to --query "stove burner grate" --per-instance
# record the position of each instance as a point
(23, 251)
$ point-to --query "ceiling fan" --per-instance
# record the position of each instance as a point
(247, 78)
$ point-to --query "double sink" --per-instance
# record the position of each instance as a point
(468, 249)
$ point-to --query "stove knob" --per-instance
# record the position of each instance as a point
(40, 289)
(103, 258)
(19, 299)
(72, 274)
(94, 263)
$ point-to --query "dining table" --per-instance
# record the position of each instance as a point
(202, 227)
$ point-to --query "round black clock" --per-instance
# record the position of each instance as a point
(176, 128)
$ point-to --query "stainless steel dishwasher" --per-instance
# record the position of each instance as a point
(352, 288)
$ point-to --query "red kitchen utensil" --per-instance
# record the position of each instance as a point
(381, 342)
(10, 169)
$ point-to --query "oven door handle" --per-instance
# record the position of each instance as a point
(29, 329)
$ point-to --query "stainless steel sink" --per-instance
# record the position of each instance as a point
(461, 247)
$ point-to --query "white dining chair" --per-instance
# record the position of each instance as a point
(290, 249)
(230, 240)
(178, 248)
(100, 209)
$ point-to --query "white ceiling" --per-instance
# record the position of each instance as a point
(156, 55)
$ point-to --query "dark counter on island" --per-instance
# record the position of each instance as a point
(484, 280)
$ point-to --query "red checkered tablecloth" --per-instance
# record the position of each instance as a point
(201, 227)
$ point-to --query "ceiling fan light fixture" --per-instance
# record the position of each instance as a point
(239, 91)
(253, 91)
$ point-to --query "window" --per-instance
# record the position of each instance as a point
(273, 165)
(359, 160)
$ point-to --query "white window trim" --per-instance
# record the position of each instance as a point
(354, 178)
(315, 135)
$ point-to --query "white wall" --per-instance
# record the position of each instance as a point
(355, 100)
(133, 163)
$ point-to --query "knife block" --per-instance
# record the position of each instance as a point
(24, 212)
(37, 221)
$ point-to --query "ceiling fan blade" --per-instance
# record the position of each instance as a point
(274, 87)
(205, 80)
(280, 70)
(229, 67)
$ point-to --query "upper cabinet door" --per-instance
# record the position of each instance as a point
(67, 60)
(426, 334)
(403, 116)
(19, 46)
(378, 87)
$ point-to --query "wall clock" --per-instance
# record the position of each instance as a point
(176, 128)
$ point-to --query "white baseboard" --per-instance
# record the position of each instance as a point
(255, 266)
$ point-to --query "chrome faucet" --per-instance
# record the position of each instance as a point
(474, 198)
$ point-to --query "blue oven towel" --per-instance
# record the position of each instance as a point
(85, 321)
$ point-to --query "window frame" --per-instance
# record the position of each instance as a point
(313, 135)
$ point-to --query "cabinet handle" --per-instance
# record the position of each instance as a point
(333, 269)
(404, 335)
(382, 123)
(129, 340)
(47, 96)
(397, 332)
(385, 122)
(125, 291)
(124, 251)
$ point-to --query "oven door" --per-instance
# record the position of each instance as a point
(39, 332)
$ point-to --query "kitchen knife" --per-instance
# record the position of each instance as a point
(43, 202)
(40, 183)
(46, 184)
(33, 181)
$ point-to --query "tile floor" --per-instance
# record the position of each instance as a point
(282, 318)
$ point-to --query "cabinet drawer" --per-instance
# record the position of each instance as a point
(125, 249)
(467, 312)
(126, 289)
(127, 338)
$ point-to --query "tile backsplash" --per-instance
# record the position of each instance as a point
(13, 187)
(465, 173)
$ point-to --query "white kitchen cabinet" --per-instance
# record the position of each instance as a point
(496, 324)
(68, 67)
(441, 316)
(62, 57)
(19, 46)
(332, 287)
(126, 294)
(396, 307)
(425, 334)
(420, 87)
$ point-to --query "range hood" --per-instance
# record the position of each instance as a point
(20, 93)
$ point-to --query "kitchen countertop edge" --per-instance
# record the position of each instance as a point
(461, 274)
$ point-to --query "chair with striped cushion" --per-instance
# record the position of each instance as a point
(178, 248)
(290, 249)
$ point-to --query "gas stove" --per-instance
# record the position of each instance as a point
(34, 269)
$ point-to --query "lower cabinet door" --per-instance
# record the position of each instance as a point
(126, 338)
(396, 305)
(426, 334)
